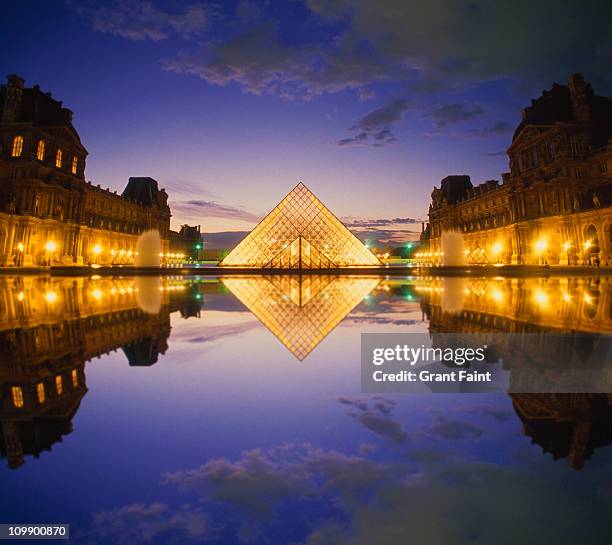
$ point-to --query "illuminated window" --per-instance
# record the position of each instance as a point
(40, 392)
(58, 158)
(17, 396)
(40, 150)
(59, 386)
(17, 147)
(75, 163)
(75, 378)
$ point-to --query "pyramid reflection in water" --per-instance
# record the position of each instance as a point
(300, 310)
(300, 233)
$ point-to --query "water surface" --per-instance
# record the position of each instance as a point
(198, 410)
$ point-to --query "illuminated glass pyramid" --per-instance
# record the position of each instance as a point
(300, 310)
(300, 233)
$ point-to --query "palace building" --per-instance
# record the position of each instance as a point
(49, 213)
(555, 204)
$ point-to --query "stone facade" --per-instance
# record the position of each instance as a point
(49, 213)
(555, 204)
(186, 244)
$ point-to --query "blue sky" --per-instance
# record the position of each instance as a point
(370, 103)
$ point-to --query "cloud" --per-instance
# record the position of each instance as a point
(376, 417)
(455, 112)
(446, 428)
(139, 21)
(355, 222)
(211, 209)
(142, 523)
(497, 413)
(353, 44)
(501, 127)
(373, 128)
(210, 334)
(319, 496)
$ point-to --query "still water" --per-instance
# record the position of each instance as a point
(199, 410)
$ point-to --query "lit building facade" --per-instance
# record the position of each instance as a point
(49, 213)
(555, 204)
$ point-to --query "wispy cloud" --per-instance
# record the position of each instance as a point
(455, 112)
(374, 128)
(375, 415)
(140, 21)
(212, 209)
(381, 222)
(501, 127)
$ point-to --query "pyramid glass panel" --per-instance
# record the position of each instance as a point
(300, 233)
(300, 310)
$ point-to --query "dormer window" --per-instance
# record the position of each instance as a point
(58, 158)
(75, 164)
(17, 147)
(40, 150)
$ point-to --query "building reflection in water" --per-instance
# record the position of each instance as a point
(565, 425)
(300, 310)
(50, 327)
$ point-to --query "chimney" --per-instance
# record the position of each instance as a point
(14, 94)
(578, 94)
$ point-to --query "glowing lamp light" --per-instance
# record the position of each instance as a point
(587, 299)
(540, 297)
(567, 297)
(50, 246)
(97, 249)
(20, 247)
(497, 295)
(50, 297)
(588, 244)
(97, 294)
(566, 246)
(497, 248)
(541, 245)
(20, 296)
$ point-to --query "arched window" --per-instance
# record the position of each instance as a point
(58, 158)
(59, 385)
(75, 378)
(40, 392)
(75, 164)
(17, 394)
(40, 150)
(17, 147)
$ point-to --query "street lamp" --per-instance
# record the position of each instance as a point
(50, 248)
(540, 247)
(566, 247)
(20, 249)
(587, 246)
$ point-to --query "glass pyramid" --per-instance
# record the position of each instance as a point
(300, 233)
(300, 310)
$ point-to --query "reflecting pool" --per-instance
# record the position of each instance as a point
(205, 410)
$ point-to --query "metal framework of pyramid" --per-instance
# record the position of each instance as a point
(300, 310)
(300, 233)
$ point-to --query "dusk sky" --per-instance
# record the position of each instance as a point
(368, 102)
